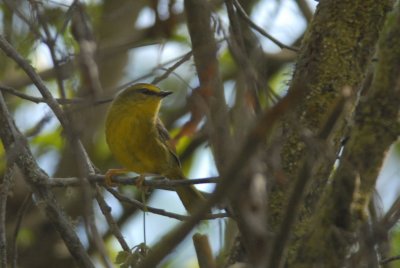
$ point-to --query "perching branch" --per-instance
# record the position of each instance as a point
(157, 183)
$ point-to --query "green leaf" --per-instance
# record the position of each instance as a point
(122, 257)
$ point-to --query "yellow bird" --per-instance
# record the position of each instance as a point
(139, 141)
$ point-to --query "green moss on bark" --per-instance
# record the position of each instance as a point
(335, 53)
(376, 127)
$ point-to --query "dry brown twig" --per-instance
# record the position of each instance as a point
(157, 183)
(203, 251)
(158, 211)
(106, 210)
(244, 16)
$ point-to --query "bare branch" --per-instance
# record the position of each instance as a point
(60, 101)
(157, 183)
(51, 44)
(391, 259)
(305, 9)
(244, 16)
(106, 210)
(30, 71)
(169, 70)
(26, 204)
(203, 251)
(17, 149)
(82, 32)
(4, 191)
(20, 94)
(205, 51)
(158, 211)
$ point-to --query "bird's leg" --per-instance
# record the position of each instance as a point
(139, 183)
(110, 173)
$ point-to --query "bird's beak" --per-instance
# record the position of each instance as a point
(163, 94)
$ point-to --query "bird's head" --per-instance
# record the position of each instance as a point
(145, 97)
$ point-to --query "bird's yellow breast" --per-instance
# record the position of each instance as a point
(133, 140)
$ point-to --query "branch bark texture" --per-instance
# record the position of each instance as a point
(335, 53)
(17, 150)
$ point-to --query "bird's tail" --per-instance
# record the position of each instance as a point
(190, 197)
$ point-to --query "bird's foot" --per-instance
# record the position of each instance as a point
(112, 172)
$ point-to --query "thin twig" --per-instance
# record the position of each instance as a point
(12, 5)
(83, 34)
(144, 207)
(392, 216)
(91, 227)
(26, 204)
(65, 119)
(68, 16)
(243, 56)
(17, 93)
(106, 210)
(162, 212)
(16, 145)
(244, 16)
(158, 183)
(60, 101)
(390, 259)
(169, 70)
(36, 79)
(82, 160)
(305, 9)
(51, 44)
(35, 130)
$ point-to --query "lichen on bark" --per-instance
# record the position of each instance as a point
(335, 53)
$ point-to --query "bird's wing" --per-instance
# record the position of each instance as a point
(166, 139)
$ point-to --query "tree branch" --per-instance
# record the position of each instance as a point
(17, 150)
(26, 204)
(106, 210)
(158, 183)
(30, 71)
(203, 251)
(158, 211)
(4, 191)
(244, 16)
(204, 46)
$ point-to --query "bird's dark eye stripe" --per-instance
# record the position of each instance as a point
(147, 91)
